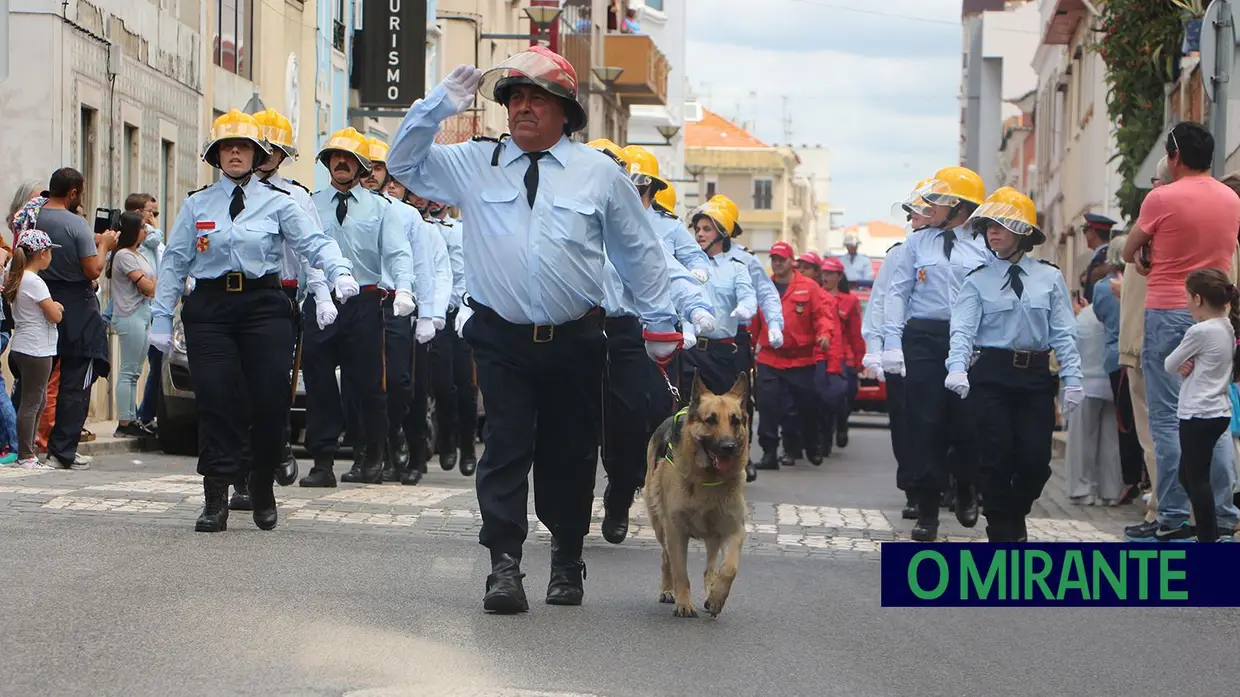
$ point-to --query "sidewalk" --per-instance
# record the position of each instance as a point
(107, 444)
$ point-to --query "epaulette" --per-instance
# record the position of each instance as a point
(1043, 261)
(979, 268)
(381, 197)
(489, 139)
(738, 261)
(443, 222)
(897, 244)
(296, 183)
(665, 213)
(196, 191)
(273, 186)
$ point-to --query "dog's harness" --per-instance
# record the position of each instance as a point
(674, 437)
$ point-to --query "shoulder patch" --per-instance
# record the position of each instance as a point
(979, 268)
(196, 191)
(897, 244)
(273, 186)
(1043, 261)
(298, 184)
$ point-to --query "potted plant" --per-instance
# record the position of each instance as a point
(1192, 12)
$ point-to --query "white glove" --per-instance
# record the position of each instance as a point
(439, 323)
(324, 312)
(424, 330)
(873, 361)
(893, 361)
(1072, 398)
(775, 336)
(346, 287)
(958, 382)
(690, 335)
(462, 316)
(742, 313)
(700, 275)
(461, 84)
(660, 351)
(163, 342)
(702, 320)
(403, 306)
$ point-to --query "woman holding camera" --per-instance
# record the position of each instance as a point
(133, 287)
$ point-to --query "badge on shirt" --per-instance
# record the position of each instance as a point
(800, 308)
(921, 275)
(204, 243)
(205, 225)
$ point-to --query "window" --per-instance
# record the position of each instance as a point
(167, 174)
(87, 144)
(710, 189)
(762, 194)
(338, 9)
(232, 35)
(655, 4)
(130, 172)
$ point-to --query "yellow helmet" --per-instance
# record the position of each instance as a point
(277, 130)
(913, 202)
(375, 150)
(1011, 209)
(723, 219)
(954, 184)
(644, 167)
(612, 150)
(666, 199)
(350, 141)
(235, 125)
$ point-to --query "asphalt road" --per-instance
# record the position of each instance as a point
(106, 606)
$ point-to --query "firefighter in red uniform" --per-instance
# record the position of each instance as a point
(851, 342)
(810, 323)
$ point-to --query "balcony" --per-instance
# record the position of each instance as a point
(338, 35)
(1059, 20)
(644, 80)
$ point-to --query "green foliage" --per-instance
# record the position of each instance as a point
(1140, 44)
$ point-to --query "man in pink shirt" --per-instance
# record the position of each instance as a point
(1189, 224)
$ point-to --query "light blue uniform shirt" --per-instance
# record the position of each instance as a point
(925, 282)
(422, 249)
(872, 322)
(206, 243)
(687, 293)
(451, 231)
(677, 240)
(768, 296)
(441, 266)
(374, 237)
(543, 265)
(859, 268)
(729, 288)
(987, 314)
(295, 267)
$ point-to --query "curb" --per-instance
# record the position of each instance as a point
(117, 446)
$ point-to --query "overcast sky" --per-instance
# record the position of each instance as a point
(883, 91)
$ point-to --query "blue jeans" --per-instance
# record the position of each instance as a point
(133, 332)
(154, 390)
(8, 415)
(1163, 331)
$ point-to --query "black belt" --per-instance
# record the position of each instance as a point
(236, 282)
(724, 345)
(1023, 360)
(592, 320)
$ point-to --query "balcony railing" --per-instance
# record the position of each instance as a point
(338, 36)
(644, 80)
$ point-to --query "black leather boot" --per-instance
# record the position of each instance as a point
(751, 473)
(372, 467)
(786, 460)
(447, 453)
(286, 472)
(999, 528)
(1020, 531)
(769, 461)
(354, 475)
(240, 500)
(927, 527)
(391, 461)
(909, 512)
(321, 474)
(966, 505)
(505, 595)
(417, 464)
(567, 573)
(616, 507)
(468, 461)
(214, 516)
(264, 497)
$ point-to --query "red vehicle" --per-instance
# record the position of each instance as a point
(871, 392)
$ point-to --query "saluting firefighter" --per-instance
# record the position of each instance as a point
(916, 318)
(786, 375)
(543, 213)
(1010, 313)
(644, 171)
(637, 395)
(351, 336)
(278, 133)
(229, 236)
(917, 213)
(851, 344)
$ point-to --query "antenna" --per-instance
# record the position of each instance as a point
(787, 120)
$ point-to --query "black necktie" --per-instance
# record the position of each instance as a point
(531, 177)
(342, 205)
(949, 241)
(1014, 280)
(238, 203)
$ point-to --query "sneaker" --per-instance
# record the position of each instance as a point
(7, 457)
(1143, 532)
(1157, 532)
(1086, 500)
(1226, 534)
(133, 429)
(33, 463)
(80, 462)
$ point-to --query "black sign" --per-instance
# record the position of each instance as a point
(392, 63)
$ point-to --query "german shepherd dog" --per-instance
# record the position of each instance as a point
(695, 481)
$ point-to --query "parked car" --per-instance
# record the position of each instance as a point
(871, 392)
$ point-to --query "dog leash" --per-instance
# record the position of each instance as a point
(668, 337)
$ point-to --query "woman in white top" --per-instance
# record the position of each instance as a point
(1206, 359)
(35, 316)
(133, 286)
(1093, 463)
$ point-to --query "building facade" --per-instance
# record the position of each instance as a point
(665, 23)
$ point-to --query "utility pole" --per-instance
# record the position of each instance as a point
(1224, 58)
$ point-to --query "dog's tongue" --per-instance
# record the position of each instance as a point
(723, 465)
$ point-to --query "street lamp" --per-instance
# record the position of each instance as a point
(607, 75)
(668, 131)
(541, 17)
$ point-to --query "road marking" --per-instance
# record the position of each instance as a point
(8, 489)
(831, 517)
(86, 503)
(171, 484)
(396, 496)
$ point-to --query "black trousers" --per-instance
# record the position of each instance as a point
(899, 430)
(1015, 411)
(1131, 454)
(810, 427)
(744, 366)
(72, 406)
(780, 389)
(414, 420)
(848, 399)
(355, 344)
(937, 419)
(398, 347)
(636, 400)
(715, 362)
(243, 414)
(544, 403)
(456, 399)
(1197, 440)
(240, 348)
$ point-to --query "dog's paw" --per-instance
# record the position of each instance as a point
(667, 597)
(684, 611)
(714, 604)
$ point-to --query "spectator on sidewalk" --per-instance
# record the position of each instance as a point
(1092, 458)
(1188, 224)
(1107, 308)
(133, 285)
(36, 316)
(152, 249)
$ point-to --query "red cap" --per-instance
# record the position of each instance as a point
(832, 264)
(811, 258)
(781, 249)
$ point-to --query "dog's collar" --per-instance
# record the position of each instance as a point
(668, 455)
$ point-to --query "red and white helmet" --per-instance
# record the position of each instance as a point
(541, 67)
